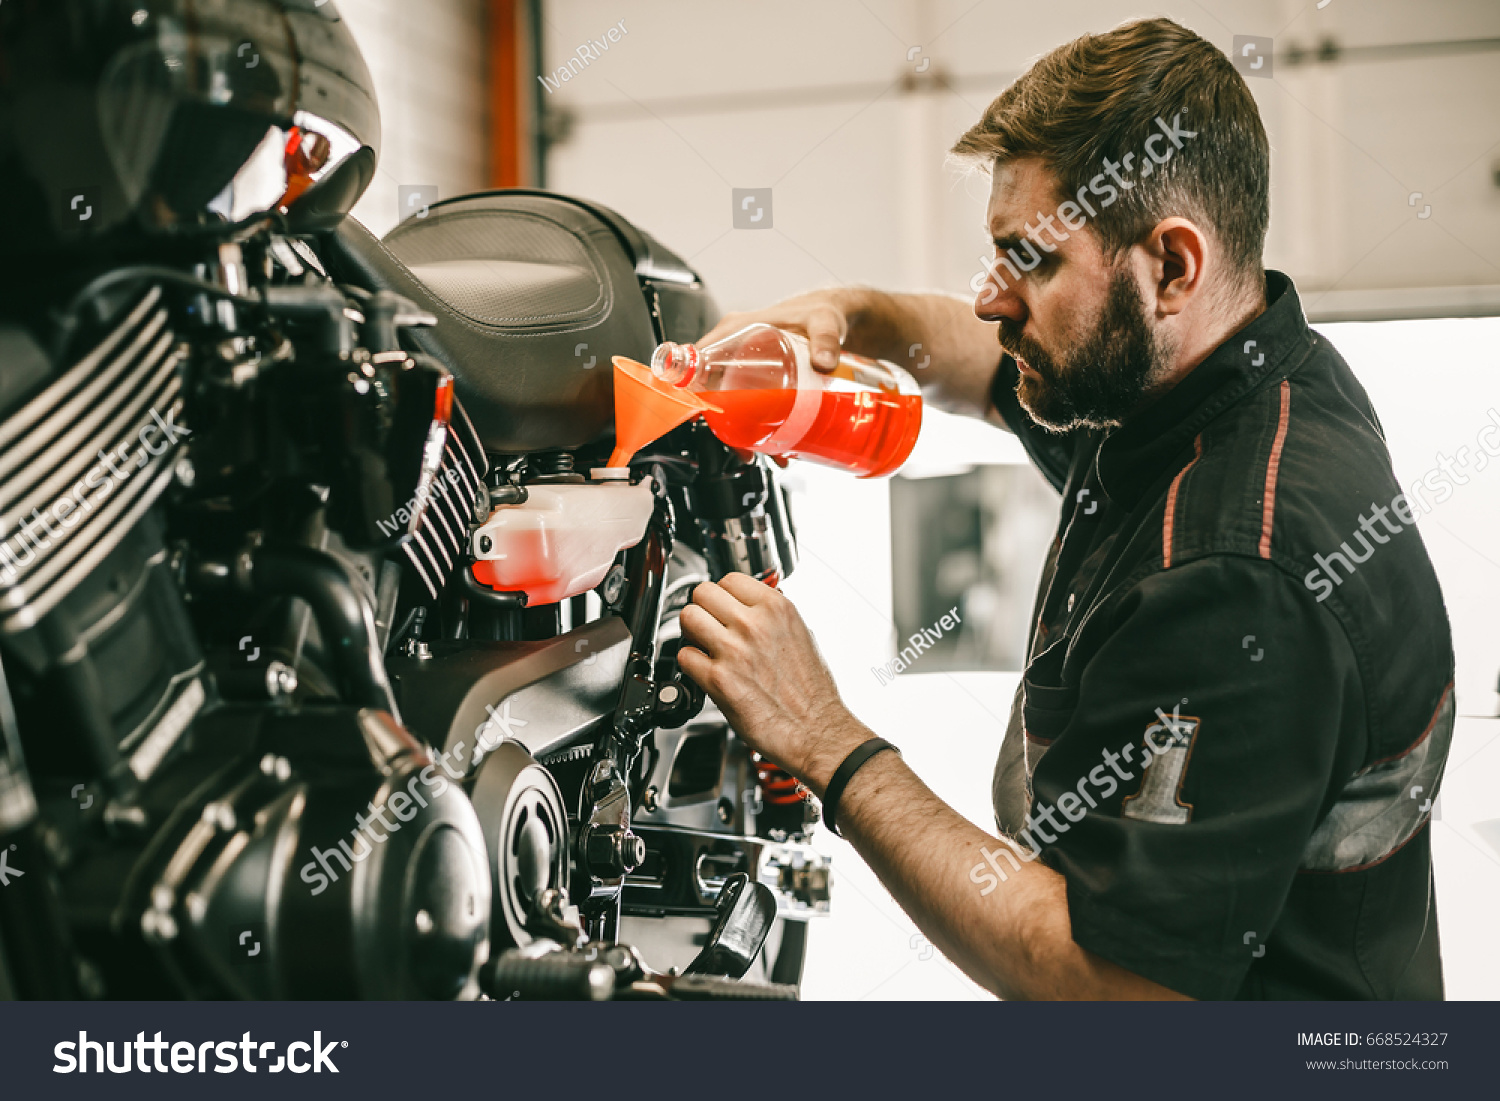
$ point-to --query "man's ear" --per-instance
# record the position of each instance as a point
(1177, 251)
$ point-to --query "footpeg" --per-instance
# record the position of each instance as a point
(746, 911)
(557, 976)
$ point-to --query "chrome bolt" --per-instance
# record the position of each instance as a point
(281, 680)
(613, 851)
(413, 648)
(612, 586)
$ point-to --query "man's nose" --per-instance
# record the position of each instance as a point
(995, 302)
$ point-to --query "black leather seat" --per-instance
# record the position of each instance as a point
(534, 292)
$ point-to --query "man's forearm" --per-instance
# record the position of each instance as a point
(1016, 940)
(950, 352)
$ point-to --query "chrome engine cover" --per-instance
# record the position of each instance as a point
(526, 829)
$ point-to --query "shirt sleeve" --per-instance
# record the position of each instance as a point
(1187, 770)
(1052, 452)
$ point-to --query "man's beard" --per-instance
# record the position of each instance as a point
(1100, 380)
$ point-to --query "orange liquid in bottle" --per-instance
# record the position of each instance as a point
(749, 416)
(866, 432)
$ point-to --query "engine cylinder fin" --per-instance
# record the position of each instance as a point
(124, 512)
(55, 395)
(471, 485)
(416, 563)
(42, 559)
(437, 571)
(435, 537)
(444, 529)
(73, 453)
(447, 494)
(435, 509)
(471, 446)
(91, 405)
(95, 417)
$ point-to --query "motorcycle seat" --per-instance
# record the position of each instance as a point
(533, 292)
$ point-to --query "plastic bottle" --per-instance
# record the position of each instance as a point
(864, 416)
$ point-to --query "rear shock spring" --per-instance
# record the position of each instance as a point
(777, 786)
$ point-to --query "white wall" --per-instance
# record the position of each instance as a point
(1435, 385)
(427, 59)
(812, 100)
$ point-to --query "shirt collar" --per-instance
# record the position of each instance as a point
(1133, 455)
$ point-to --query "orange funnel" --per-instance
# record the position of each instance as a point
(646, 408)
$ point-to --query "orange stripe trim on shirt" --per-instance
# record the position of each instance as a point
(1171, 513)
(1273, 467)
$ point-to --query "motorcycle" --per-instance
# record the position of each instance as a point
(271, 729)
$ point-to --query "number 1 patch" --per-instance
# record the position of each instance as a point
(1169, 746)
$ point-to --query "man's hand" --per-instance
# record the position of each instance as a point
(951, 353)
(753, 654)
(821, 316)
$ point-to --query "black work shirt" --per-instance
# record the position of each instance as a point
(1238, 697)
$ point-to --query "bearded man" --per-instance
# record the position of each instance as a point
(1222, 755)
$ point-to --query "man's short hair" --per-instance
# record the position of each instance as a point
(1100, 96)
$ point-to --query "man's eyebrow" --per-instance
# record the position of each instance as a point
(1008, 242)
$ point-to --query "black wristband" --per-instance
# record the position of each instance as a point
(844, 773)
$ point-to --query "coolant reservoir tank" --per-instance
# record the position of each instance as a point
(562, 539)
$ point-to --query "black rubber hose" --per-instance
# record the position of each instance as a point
(482, 594)
(345, 622)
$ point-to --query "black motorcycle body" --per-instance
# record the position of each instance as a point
(265, 733)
